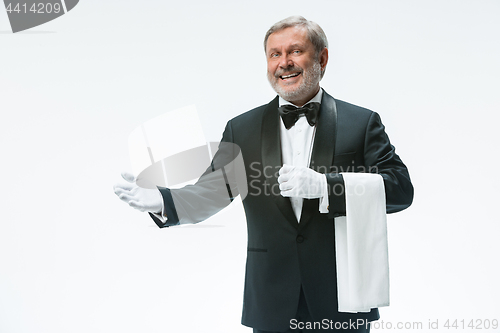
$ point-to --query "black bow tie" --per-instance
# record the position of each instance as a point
(290, 114)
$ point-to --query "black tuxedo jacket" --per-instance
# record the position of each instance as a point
(283, 254)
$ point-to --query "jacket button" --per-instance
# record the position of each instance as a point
(299, 239)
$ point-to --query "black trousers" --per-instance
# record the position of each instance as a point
(304, 323)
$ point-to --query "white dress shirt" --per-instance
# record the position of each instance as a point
(296, 150)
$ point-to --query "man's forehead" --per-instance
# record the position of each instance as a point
(291, 36)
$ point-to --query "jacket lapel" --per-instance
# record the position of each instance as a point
(323, 149)
(271, 158)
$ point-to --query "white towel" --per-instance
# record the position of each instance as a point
(361, 245)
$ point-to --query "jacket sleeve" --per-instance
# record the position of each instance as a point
(213, 191)
(379, 157)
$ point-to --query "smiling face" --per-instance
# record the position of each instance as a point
(293, 69)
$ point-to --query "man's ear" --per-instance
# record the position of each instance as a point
(323, 58)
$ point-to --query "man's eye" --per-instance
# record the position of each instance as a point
(274, 55)
(296, 51)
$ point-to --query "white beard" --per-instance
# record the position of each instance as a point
(306, 88)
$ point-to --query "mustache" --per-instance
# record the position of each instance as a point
(287, 71)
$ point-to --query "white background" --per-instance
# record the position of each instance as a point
(74, 258)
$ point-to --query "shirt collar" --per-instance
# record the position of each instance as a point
(317, 98)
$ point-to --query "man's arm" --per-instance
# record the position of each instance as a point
(379, 157)
(222, 181)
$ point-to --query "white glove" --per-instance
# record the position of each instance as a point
(301, 182)
(143, 199)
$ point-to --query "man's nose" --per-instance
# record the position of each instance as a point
(286, 61)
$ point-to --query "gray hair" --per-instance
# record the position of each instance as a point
(314, 32)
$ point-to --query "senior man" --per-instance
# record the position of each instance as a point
(306, 134)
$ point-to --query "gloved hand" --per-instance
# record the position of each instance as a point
(143, 199)
(301, 182)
